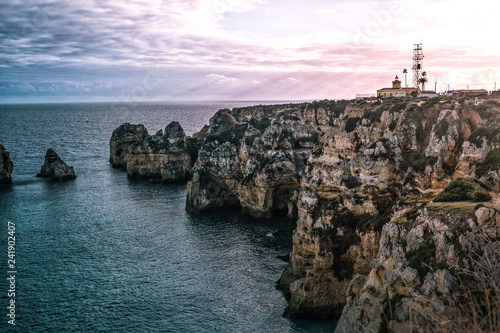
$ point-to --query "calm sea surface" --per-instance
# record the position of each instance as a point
(104, 253)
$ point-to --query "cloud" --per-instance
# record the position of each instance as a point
(289, 81)
(165, 48)
(221, 79)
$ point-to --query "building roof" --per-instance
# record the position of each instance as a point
(473, 90)
(398, 89)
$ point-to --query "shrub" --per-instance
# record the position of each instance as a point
(476, 137)
(228, 134)
(261, 125)
(410, 214)
(423, 257)
(441, 128)
(351, 181)
(490, 163)
(374, 115)
(464, 189)
(393, 124)
(351, 124)
(417, 161)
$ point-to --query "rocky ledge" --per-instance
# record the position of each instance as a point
(163, 156)
(346, 170)
(6, 166)
(55, 168)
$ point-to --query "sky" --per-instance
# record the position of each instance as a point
(214, 50)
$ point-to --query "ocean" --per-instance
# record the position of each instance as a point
(104, 253)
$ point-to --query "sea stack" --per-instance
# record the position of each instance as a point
(162, 157)
(6, 166)
(55, 168)
(122, 140)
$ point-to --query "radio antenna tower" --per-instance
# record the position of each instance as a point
(418, 56)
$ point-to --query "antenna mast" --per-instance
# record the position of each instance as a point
(418, 57)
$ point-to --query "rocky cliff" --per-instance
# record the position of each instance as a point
(163, 156)
(252, 158)
(345, 170)
(55, 168)
(428, 258)
(6, 166)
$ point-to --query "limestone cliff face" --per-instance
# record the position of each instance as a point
(343, 169)
(253, 158)
(6, 166)
(414, 266)
(162, 156)
(55, 168)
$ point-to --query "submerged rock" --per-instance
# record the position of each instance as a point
(55, 168)
(6, 166)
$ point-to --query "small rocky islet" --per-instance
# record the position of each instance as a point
(359, 178)
(163, 156)
(55, 168)
(6, 166)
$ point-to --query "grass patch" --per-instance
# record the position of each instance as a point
(465, 189)
(463, 208)
(410, 214)
(405, 219)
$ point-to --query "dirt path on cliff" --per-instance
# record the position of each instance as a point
(494, 203)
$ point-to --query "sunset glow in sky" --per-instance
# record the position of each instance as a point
(135, 50)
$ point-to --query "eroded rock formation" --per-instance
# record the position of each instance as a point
(163, 156)
(55, 168)
(251, 160)
(122, 140)
(344, 170)
(6, 166)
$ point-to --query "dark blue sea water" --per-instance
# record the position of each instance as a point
(104, 253)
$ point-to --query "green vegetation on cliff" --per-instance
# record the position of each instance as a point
(490, 163)
(464, 189)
